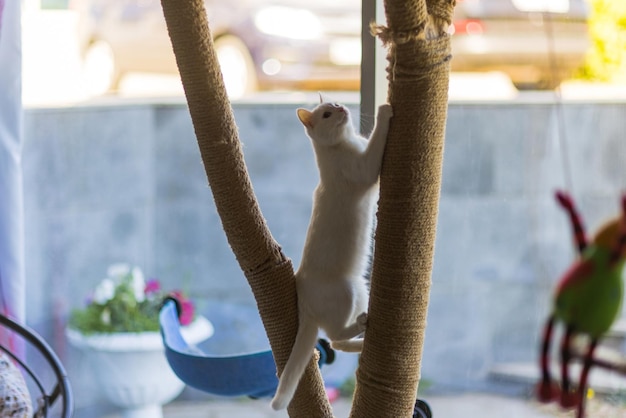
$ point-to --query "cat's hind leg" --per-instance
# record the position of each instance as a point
(344, 339)
(355, 345)
(350, 331)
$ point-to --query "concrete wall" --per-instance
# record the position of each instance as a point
(126, 183)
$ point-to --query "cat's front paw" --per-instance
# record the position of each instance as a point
(385, 111)
(361, 321)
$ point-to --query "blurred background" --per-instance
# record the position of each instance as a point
(80, 49)
(112, 171)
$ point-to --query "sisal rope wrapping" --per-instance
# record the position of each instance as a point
(269, 273)
(410, 181)
(418, 73)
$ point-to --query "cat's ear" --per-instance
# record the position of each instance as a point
(306, 117)
(324, 98)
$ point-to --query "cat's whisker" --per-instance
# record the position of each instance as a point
(366, 123)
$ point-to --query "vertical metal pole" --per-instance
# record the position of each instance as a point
(373, 61)
(368, 68)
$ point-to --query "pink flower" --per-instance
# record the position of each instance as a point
(187, 308)
(152, 286)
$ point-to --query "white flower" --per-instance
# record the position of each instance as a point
(138, 284)
(118, 271)
(105, 317)
(104, 291)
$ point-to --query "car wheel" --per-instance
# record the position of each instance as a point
(237, 66)
(547, 81)
(99, 72)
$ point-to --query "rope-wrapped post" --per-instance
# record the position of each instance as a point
(410, 181)
(269, 273)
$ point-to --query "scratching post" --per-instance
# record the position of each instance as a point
(418, 73)
(269, 273)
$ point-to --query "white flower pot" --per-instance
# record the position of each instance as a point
(132, 370)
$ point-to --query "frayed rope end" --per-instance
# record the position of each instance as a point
(388, 36)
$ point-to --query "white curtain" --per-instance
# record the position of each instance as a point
(11, 201)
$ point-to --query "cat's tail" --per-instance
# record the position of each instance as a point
(294, 369)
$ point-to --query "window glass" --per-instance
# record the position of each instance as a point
(112, 173)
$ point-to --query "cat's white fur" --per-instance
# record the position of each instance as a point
(332, 290)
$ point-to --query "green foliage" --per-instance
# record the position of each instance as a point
(123, 318)
(125, 302)
(606, 60)
(121, 313)
(347, 388)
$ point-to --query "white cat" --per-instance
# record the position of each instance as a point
(332, 290)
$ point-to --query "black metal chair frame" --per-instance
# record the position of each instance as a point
(62, 390)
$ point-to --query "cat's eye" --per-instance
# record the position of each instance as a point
(326, 115)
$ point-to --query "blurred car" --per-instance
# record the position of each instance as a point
(261, 44)
(303, 44)
(537, 43)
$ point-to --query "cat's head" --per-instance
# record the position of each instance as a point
(327, 124)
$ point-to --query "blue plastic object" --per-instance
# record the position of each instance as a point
(250, 374)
